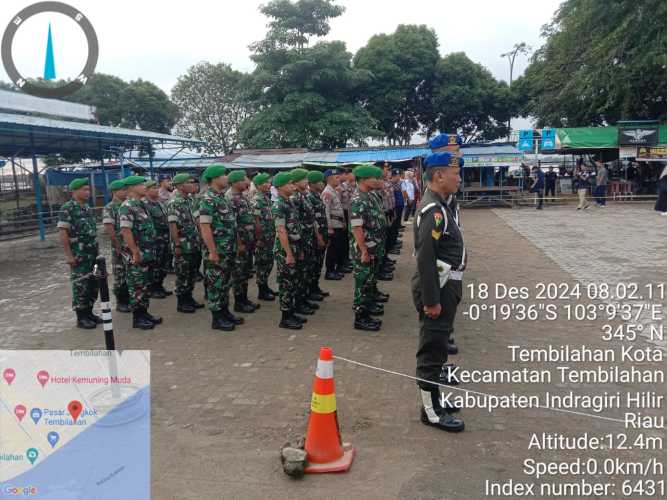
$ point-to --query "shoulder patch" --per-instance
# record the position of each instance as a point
(435, 234)
(438, 219)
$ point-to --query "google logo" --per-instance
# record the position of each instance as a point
(20, 491)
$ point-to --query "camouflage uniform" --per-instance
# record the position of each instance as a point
(214, 209)
(264, 251)
(79, 221)
(315, 268)
(180, 212)
(306, 216)
(346, 192)
(377, 198)
(134, 216)
(160, 267)
(365, 213)
(245, 228)
(110, 215)
(285, 214)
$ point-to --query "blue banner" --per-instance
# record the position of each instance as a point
(525, 140)
(548, 138)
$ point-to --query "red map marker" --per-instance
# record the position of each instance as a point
(74, 408)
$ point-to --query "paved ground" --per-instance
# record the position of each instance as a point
(223, 404)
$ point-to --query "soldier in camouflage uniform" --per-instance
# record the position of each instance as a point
(265, 235)
(217, 224)
(346, 190)
(160, 267)
(245, 230)
(138, 231)
(365, 237)
(78, 235)
(111, 221)
(315, 188)
(287, 250)
(309, 239)
(185, 242)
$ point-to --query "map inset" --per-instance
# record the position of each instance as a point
(75, 425)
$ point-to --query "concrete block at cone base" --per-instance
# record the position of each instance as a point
(293, 460)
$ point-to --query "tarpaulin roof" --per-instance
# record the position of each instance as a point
(595, 137)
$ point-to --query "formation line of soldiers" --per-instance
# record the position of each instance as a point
(232, 236)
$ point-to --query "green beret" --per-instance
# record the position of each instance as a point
(364, 172)
(299, 174)
(150, 183)
(116, 185)
(315, 176)
(377, 172)
(133, 180)
(77, 183)
(236, 176)
(181, 179)
(260, 179)
(213, 171)
(282, 178)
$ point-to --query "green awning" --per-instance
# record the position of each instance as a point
(595, 137)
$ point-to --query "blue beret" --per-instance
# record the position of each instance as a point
(442, 140)
(396, 171)
(163, 177)
(443, 159)
(331, 171)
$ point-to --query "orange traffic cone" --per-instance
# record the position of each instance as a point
(324, 449)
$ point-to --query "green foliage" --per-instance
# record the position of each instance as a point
(402, 66)
(105, 93)
(468, 99)
(602, 62)
(147, 107)
(213, 100)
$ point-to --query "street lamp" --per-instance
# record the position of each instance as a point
(519, 48)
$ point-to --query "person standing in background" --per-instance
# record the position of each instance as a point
(408, 187)
(166, 189)
(111, 222)
(538, 187)
(336, 251)
(550, 183)
(580, 182)
(601, 180)
(661, 202)
(160, 266)
(265, 234)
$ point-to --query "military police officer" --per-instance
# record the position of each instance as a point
(111, 221)
(315, 187)
(336, 229)
(78, 235)
(265, 235)
(138, 232)
(160, 266)
(436, 286)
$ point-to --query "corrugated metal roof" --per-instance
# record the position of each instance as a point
(397, 154)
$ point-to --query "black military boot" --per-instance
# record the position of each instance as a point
(193, 302)
(333, 276)
(93, 317)
(374, 309)
(156, 320)
(448, 374)
(156, 293)
(139, 320)
(362, 321)
(122, 302)
(302, 308)
(219, 322)
(321, 292)
(160, 286)
(382, 276)
(289, 321)
(246, 300)
(183, 305)
(242, 306)
(381, 297)
(452, 348)
(237, 320)
(265, 293)
(83, 321)
(300, 319)
(315, 297)
(433, 414)
(306, 302)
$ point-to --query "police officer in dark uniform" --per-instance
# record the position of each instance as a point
(436, 286)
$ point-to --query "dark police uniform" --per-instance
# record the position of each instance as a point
(438, 240)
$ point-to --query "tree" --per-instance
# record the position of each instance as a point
(213, 101)
(147, 107)
(467, 99)
(105, 92)
(601, 62)
(402, 65)
(306, 96)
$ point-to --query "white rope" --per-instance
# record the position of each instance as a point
(454, 388)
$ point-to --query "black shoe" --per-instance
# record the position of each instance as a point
(265, 293)
(322, 292)
(333, 276)
(300, 319)
(364, 322)
(219, 322)
(391, 261)
(303, 309)
(380, 298)
(385, 276)
(140, 321)
(385, 296)
(394, 251)
(311, 305)
(452, 349)
(191, 300)
(93, 317)
(445, 421)
(290, 322)
(448, 375)
(375, 309)
(123, 307)
(156, 320)
(156, 293)
(83, 320)
(316, 297)
(346, 269)
(237, 320)
(241, 306)
(183, 305)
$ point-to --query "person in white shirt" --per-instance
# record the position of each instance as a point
(408, 188)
